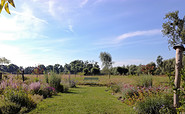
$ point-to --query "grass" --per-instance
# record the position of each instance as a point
(83, 100)
(104, 79)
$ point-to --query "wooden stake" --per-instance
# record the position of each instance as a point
(179, 50)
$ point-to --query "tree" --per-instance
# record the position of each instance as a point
(120, 70)
(12, 68)
(95, 71)
(159, 61)
(174, 28)
(132, 69)
(3, 60)
(4, 3)
(106, 60)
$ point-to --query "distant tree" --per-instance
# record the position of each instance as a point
(174, 28)
(56, 68)
(120, 70)
(169, 66)
(3, 60)
(29, 70)
(132, 69)
(85, 71)
(139, 70)
(95, 71)
(149, 68)
(49, 68)
(77, 66)
(67, 68)
(42, 68)
(3, 68)
(106, 60)
(159, 61)
(12, 68)
(61, 69)
(4, 3)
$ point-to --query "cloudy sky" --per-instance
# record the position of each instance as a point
(59, 31)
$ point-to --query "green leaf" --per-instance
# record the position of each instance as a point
(7, 8)
(12, 3)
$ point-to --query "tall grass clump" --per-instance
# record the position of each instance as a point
(156, 105)
(145, 81)
(54, 81)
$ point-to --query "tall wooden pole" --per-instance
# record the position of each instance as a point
(179, 50)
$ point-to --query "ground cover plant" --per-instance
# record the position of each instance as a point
(20, 97)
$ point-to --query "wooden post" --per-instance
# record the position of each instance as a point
(0, 76)
(23, 75)
(179, 50)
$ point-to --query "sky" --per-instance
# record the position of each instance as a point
(59, 31)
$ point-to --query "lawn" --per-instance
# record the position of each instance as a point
(83, 100)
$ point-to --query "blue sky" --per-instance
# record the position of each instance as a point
(60, 31)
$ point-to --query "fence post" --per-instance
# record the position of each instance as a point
(178, 65)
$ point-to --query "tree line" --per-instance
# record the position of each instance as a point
(161, 67)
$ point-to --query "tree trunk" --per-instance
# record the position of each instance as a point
(178, 67)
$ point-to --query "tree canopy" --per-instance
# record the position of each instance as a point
(174, 28)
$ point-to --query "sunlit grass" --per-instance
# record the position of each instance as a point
(83, 100)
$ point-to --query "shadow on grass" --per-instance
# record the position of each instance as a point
(70, 92)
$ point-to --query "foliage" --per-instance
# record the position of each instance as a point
(156, 105)
(54, 81)
(149, 68)
(4, 3)
(106, 60)
(10, 108)
(145, 81)
(19, 97)
(34, 87)
(95, 71)
(46, 78)
(174, 28)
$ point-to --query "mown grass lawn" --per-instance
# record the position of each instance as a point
(83, 100)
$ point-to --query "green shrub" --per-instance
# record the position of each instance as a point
(54, 81)
(145, 81)
(156, 105)
(37, 98)
(46, 78)
(9, 107)
(115, 88)
(19, 97)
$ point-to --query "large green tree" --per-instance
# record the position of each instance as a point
(106, 60)
(174, 28)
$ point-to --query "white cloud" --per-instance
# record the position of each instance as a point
(21, 25)
(84, 2)
(138, 33)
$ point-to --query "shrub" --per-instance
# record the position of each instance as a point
(115, 88)
(19, 97)
(156, 105)
(145, 81)
(46, 78)
(34, 87)
(10, 108)
(128, 90)
(37, 98)
(54, 81)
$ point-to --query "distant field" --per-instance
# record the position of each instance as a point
(103, 79)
